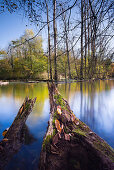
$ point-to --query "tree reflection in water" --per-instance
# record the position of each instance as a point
(92, 102)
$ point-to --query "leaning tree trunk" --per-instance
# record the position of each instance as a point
(13, 139)
(69, 144)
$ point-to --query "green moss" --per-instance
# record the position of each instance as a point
(54, 132)
(27, 106)
(83, 127)
(79, 131)
(59, 100)
(55, 116)
(47, 142)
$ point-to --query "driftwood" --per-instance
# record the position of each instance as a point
(69, 144)
(14, 137)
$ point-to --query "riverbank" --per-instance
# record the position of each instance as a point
(5, 82)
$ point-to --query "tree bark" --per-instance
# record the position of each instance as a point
(69, 143)
(49, 46)
(55, 39)
(67, 48)
(81, 66)
(85, 20)
(75, 62)
(13, 139)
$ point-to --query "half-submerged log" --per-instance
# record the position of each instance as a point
(69, 144)
(14, 137)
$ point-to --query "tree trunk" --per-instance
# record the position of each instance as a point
(75, 62)
(13, 139)
(81, 66)
(49, 46)
(12, 64)
(55, 39)
(85, 18)
(88, 24)
(69, 143)
(67, 48)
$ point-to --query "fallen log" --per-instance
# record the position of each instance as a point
(69, 144)
(14, 137)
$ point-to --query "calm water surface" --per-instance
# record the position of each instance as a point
(92, 102)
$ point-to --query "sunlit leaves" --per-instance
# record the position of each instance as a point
(26, 60)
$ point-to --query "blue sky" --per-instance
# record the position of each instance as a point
(12, 26)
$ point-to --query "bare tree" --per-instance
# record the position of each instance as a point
(82, 32)
(55, 39)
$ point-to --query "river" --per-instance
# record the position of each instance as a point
(91, 102)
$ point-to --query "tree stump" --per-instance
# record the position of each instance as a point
(69, 144)
(13, 139)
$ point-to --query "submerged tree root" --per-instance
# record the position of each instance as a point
(69, 144)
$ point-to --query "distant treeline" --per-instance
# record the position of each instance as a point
(28, 61)
(78, 38)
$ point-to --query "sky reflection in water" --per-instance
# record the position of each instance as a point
(92, 102)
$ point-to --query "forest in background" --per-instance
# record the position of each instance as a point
(79, 41)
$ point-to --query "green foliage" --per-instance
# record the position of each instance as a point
(5, 69)
(55, 116)
(46, 143)
(25, 61)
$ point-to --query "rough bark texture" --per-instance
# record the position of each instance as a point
(14, 137)
(69, 144)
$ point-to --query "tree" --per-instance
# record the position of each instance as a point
(55, 39)
(49, 45)
(82, 31)
(87, 21)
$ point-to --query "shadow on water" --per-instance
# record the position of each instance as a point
(92, 102)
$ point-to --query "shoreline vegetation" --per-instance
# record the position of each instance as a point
(7, 81)
(30, 62)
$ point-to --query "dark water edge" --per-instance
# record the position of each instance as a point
(92, 102)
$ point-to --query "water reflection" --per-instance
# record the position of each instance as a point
(92, 102)
(11, 98)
